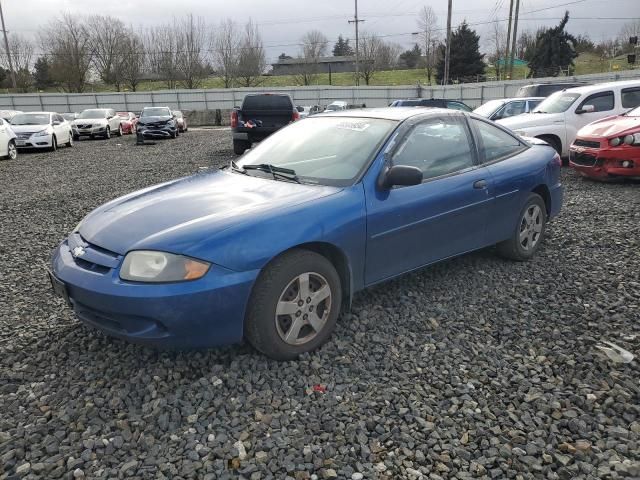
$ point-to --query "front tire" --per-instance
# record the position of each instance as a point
(119, 130)
(529, 233)
(54, 144)
(241, 146)
(70, 142)
(12, 151)
(294, 305)
(107, 133)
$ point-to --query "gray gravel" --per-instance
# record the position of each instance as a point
(477, 367)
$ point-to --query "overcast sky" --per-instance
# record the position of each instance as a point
(283, 22)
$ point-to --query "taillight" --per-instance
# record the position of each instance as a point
(295, 116)
(234, 118)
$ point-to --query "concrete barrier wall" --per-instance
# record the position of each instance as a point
(204, 103)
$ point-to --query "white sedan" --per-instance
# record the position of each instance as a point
(45, 130)
(7, 141)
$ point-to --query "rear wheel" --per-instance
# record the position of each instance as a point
(240, 146)
(294, 306)
(70, 142)
(529, 233)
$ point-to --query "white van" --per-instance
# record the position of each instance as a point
(559, 117)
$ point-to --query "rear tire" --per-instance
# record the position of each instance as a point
(305, 289)
(529, 232)
(241, 146)
(70, 142)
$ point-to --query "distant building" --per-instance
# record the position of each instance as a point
(292, 66)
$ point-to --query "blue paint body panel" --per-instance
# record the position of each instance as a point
(240, 223)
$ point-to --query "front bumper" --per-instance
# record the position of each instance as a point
(34, 142)
(88, 132)
(197, 314)
(165, 131)
(606, 163)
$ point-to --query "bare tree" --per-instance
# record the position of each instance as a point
(192, 46)
(314, 47)
(428, 24)
(252, 59)
(108, 39)
(161, 46)
(376, 55)
(226, 51)
(498, 40)
(629, 29)
(67, 42)
(133, 60)
(21, 50)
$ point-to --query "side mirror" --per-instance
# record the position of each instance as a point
(587, 109)
(400, 175)
(56, 123)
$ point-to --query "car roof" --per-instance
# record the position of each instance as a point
(603, 86)
(43, 113)
(388, 113)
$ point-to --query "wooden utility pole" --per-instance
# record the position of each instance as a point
(357, 22)
(505, 68)
(513, 40)
(447, 51)
(6, 46)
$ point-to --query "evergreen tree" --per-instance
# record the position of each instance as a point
(411, 58)
(554, 51)
(465, 62)
(41, 74)
(342, 48)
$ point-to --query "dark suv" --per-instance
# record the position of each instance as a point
(260, 115)
(157, 122)
(432, 102)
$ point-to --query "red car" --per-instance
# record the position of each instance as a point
(609, 148)
(128, 121)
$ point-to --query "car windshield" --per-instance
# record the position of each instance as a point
(69, 116)
(156, 112)
(488, 108)
(557, 103)
(178, 114)
(31, 119)
(93, 114)
(334, 108)
(124, 115)
(323, 150)
(635, 112)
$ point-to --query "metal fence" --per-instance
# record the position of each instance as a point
(474, 94)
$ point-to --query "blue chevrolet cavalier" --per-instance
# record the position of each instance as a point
(272, 247)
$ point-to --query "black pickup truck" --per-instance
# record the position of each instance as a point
(260, 115)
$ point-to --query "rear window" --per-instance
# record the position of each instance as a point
(267, 102)
(630, 97)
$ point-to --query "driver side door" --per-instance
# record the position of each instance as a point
(445, 215)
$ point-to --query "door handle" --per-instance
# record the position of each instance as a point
(480, 184)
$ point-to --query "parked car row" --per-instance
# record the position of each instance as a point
(49, 130)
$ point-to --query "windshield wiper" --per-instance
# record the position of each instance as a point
(276, 172)
(236, 168)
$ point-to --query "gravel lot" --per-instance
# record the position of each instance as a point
(477, 367)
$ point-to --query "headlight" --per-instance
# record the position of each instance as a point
(632, 139)
(614, 142)
(42, 133)
(152, 266)
(171, 123)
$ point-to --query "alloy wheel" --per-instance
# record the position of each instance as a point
(13, 151)
(531, 227)
(303, 308)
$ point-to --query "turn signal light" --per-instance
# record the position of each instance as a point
(194, 269)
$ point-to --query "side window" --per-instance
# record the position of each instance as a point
(514, 108)
(496, 143)
(58, 118)
(631, 97)
(533, 104)
(437, 146)
(601, 102)
(457, 106)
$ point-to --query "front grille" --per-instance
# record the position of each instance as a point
(85, 125)
(583, 159)
(24, 136)
(93, 258)
(586, 143)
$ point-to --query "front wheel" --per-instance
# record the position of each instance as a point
(526, 240)
(294, 306)
(12, 151)
(119, 130)
(54, 144)
(70, 142)
(107, 133)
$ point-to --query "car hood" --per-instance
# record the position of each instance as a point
(178, 214)
(92, 121)
(528, 120)
(28, 128)
(611, 127)
(154, 119)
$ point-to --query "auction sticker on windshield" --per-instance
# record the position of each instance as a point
(355, 126)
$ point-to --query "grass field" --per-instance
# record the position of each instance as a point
(585, 63)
